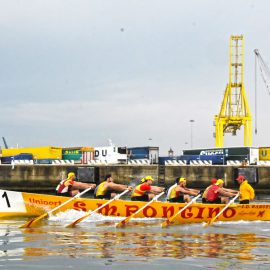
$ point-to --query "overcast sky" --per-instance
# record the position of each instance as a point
(80, 72)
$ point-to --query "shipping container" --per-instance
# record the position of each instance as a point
(147, 152)
(161, 160)
(72, 154)
(264, 153)
(22, 156)
(111, 154)
(43, 152)
(249, 154)
(84, 154)
(215, 159)
(44, 161)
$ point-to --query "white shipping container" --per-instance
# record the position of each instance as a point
(110, 154)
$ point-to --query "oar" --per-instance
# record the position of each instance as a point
(124, 221)
(89, 213)
(172, 219)
(227, 205)
(35, 220)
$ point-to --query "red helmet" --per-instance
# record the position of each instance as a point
(214, 180)
(241, 177)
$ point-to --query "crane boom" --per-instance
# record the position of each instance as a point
(265, 71)
(5, 143)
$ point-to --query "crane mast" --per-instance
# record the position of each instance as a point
(234, 111)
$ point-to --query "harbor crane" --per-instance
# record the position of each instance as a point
(234, 111)
(265, 73)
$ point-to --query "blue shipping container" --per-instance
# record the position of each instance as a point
(22, 156)
(139, 152)
(216, 159)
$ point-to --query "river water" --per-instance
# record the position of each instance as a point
(97, 244)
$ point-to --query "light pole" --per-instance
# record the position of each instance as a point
(191, 139)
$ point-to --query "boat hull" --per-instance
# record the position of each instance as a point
(22, 204)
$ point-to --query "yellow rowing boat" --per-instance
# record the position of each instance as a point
(14, 204)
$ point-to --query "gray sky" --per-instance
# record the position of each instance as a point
(78, 72)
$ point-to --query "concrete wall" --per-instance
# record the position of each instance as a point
(45, 178)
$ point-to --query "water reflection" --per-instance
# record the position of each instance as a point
(138, 242)
(4, 240)
(108, 242)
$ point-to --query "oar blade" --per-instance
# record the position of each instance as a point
(208, 222)
(74, 223)
(166, 223)
(123, 222)
(33, 222)
(169, 221)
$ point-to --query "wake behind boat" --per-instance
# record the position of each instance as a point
(23, 204)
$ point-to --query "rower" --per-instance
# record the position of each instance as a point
(71, 187)
(145, 191)
(108, 189)
(213, 182)
(181, 193)
(218, 194)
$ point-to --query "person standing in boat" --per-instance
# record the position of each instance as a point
(70, 187)
(108, 189)
(145, 191)
(181, 193)
(247, 192)
(217, 194)
(213, 182)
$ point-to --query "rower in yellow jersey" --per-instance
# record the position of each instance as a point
(181, 193)
(108, 189)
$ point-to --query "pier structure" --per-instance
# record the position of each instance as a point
(44, 178)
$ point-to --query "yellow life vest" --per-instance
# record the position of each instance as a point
(172, 194)
(100, 189)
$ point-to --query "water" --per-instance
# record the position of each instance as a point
(97, 244)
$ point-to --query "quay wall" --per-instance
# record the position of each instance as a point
(44, 178)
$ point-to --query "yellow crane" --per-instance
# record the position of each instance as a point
(234, 111)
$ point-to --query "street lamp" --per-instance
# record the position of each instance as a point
(191, 139)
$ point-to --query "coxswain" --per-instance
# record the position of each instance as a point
(71, 187)
(247, 192)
